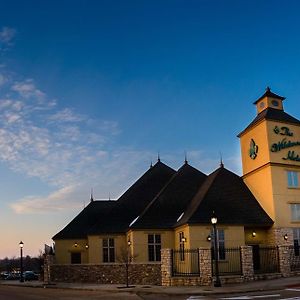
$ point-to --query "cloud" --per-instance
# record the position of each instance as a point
(7, 34)
(27, 89)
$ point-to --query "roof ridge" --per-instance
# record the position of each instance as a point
(203, 189)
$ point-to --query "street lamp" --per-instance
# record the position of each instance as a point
(21, 244)
(214, 221)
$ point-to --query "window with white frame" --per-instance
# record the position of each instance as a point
(220, 243)
(295, 210)
(292, 178)
(154, 246)
(108, 247)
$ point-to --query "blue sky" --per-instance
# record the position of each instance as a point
(90, 91)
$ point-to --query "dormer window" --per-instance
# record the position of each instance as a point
(275, 103)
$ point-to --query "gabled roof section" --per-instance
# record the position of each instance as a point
(271, 114)
(225, 193)
(132, 203)
(168, 205)
(79, 226)
(270, 94)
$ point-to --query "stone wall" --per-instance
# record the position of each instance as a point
(107, 273)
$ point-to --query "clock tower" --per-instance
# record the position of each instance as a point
(270, 148)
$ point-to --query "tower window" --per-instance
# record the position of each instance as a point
(295, 212)
(292, 178)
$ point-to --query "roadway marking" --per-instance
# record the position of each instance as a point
(253, 297)
(194, 297)
(293, 290)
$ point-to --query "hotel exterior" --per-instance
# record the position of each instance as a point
(165, 216)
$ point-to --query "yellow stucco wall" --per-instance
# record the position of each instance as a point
(96, 247)
(260, 237)
(266, 175)
(139, 240)
(64, 248)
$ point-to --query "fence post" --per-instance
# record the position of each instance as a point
(205, 266)
(284, 261)
(166, 267)
(247, 263)
(48, 262)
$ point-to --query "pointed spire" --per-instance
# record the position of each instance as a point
(268, 89)
(92, 196)
(221, 161)
(185, 158)
(158, 157)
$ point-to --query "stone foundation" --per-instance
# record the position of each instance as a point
(107, 273)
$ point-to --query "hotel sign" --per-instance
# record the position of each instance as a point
(285, 143)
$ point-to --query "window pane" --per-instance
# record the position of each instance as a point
(157, 253)
(157, 238)
(111, 254)
(105, 242)
(295, 212)
(105, 254)
(111, 242)
(151, 252)
(290, 180)
(150, 238)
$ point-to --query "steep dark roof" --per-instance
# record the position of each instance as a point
(272, 114)
(225, 193)
(268, 93)
(79, 226)
(166, 207)
(131, 204)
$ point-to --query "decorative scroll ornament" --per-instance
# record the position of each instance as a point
(253, 149)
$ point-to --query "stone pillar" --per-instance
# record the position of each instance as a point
(205, 266)
(166, 267)
(247, 263)
(284, 261)
(48, 262)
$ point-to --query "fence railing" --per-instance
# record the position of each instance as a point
(265, 259)
(294, 256)
(230, 262)
(185, 262)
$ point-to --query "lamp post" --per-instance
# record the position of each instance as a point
(214, 221)
(21, 244)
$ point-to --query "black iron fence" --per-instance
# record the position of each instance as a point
(230, 262)
(265, 259)
(294, 256)
(185, 262)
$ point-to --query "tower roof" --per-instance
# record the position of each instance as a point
(270, 94)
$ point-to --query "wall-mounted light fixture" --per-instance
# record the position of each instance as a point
(285, 237)
(183, 239)
(253, 234)
(86, 246)
(129, 242)
(208, 238)
(75, 245)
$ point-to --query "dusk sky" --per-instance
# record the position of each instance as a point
(91, 91)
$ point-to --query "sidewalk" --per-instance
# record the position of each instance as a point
(263, 285)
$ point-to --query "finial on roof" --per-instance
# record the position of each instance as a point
(268, 89)
(109, 196)
(158, 157)
(185, 158)
(92, 196)
(221, 161)
(151, 164)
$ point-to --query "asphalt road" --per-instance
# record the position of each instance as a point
(29, 293)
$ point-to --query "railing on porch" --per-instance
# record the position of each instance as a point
(229, 262)
(294, 254)
(185, 262)
(265, 259)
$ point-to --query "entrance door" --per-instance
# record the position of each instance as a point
(75, 258)
(256, 258)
